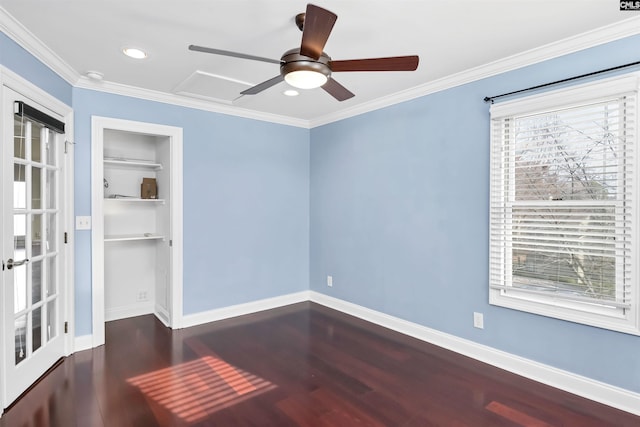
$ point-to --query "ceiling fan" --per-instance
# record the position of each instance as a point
(308, 67)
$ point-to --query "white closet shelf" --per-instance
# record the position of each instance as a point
(130, 237)
(110, 161)
(133, 199)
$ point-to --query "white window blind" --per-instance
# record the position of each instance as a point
(564, 205)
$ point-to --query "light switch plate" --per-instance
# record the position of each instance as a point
(83, 223)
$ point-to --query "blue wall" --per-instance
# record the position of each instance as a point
(246, 202)
(400, 214)
(18, 60)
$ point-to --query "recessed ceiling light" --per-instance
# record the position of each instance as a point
(133, 52)
(291, 92)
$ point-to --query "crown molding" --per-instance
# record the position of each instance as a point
(626, 28)
(619, 30)
(183, 101)
(28, 41)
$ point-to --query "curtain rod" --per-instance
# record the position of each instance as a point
(491, 98)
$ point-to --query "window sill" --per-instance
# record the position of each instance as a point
(615, 319)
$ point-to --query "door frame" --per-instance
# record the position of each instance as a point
(98, 125)
(11, 80)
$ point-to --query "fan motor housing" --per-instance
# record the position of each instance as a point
(292, 60)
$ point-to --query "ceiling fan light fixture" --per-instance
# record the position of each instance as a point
(305, 79)
(303, 72)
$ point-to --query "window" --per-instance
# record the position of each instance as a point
(564, 204)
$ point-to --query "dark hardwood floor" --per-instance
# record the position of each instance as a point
(301, 365)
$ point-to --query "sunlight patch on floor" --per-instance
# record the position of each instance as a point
(194, 390)
(516, 416)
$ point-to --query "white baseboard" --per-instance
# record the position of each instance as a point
(132, 310)
(241, 309)
(162, 315)
(85, 342)
(607, 394)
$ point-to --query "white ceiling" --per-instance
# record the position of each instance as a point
(450, 36)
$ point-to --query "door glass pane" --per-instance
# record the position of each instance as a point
(19, 253)
(19, 288)
(50, 148)
(19, 236)
(19, 147)
(52, 330)
(51, 275)
(36, 173)
(19, 187)
(21, 338)
(36, 235)
(51, 189)
(51, 232)
(36, 329)
(36, 149)
(36, 282)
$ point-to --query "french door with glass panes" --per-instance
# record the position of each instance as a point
(32, 254)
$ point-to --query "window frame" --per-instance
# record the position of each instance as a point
(626, 320)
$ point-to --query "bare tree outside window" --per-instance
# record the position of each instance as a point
(565, 186)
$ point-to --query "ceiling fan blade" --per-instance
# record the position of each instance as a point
(263, 86)
(395, 63)
(336, 90)
(318, 23)
(233, 54)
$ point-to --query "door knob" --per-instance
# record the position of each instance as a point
(11, 263)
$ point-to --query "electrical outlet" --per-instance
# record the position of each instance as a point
(330, 281)
(142, 296)
(478, 320)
